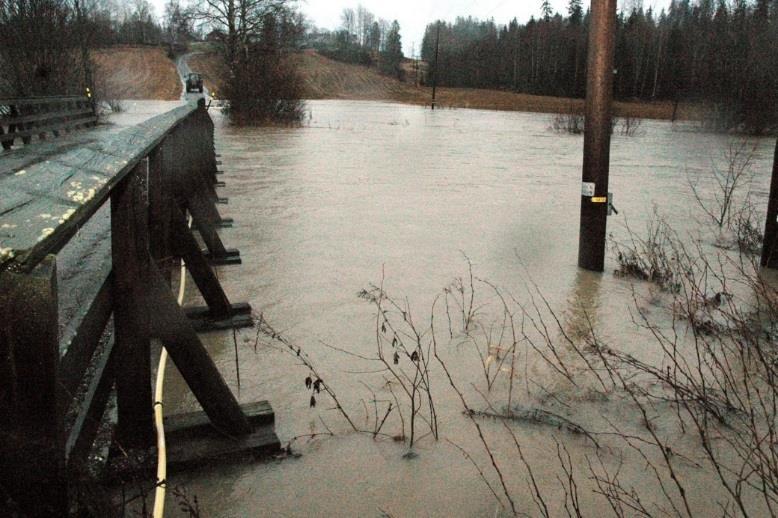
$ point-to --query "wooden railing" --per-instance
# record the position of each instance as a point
(151, 175)
(23, 119)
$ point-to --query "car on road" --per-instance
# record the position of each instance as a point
(194, 82)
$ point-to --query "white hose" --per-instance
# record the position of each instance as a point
(159, 388)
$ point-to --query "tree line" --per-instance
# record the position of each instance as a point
(721, 53)
(361, 39)
(45, 44)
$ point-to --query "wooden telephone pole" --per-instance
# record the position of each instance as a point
(435, 68)
(597, 136)
(770, 244)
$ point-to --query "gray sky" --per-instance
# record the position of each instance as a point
(414, 15)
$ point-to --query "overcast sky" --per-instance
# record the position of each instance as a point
(414, 15)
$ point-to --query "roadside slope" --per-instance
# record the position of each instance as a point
(127, 72)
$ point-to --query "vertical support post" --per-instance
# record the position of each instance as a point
(596, 160)
(770, 243)
(32, 452)
(161, 203)
(131, 264)
(206, 133)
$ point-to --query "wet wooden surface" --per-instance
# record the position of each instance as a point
(48, 191)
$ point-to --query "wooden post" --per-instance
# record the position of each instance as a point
(32, 451)
(161, 203)
(596, 161)
(770, 244)
(131, 263)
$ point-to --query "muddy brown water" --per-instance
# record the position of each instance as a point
(368, 190)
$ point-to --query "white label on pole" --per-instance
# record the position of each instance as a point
(587, 188)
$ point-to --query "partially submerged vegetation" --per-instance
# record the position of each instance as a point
(255, 39)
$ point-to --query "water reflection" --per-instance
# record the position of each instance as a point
(582, 315)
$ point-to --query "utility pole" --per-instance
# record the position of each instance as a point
(597, 136)
(435, 69)
(770, 243)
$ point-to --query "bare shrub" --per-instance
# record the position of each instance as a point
(703, 400)
(748, 230)
(115, 105)
(629, 126)
(43, 48)
(568, 122)
(725, 180)
(650, 258)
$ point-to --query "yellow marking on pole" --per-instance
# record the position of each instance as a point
(600, 199)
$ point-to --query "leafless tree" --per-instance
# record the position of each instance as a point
(44, 46)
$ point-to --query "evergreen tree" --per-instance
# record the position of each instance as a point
(392, 56)
(575, 11)
(545, 10)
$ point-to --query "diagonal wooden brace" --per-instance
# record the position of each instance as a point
(205, 217)
(169, 323)
(219, 314)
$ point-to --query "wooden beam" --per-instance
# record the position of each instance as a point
(131, 264)
(770, 243)
(31, 448)
(161, 204)
(199, 268)
(170, 324)
(84, 340)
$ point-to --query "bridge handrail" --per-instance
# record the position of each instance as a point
(45, 204)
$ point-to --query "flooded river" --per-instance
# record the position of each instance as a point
(369, 191)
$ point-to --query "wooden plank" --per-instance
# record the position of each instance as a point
(193, 424)
(193, 442)
(26, 250)
(12, 161)
(31, 452)
(28, 101)
(46, 116)
(199, 452)
(81, 343)
(131, 263)
(202, 321)
(38, 130)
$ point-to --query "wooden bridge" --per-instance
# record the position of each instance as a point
(149, 177)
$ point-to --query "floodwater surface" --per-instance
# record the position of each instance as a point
(369, 193)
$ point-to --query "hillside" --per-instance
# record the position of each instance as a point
(147, 73)
(125, 72)
(325, 78)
